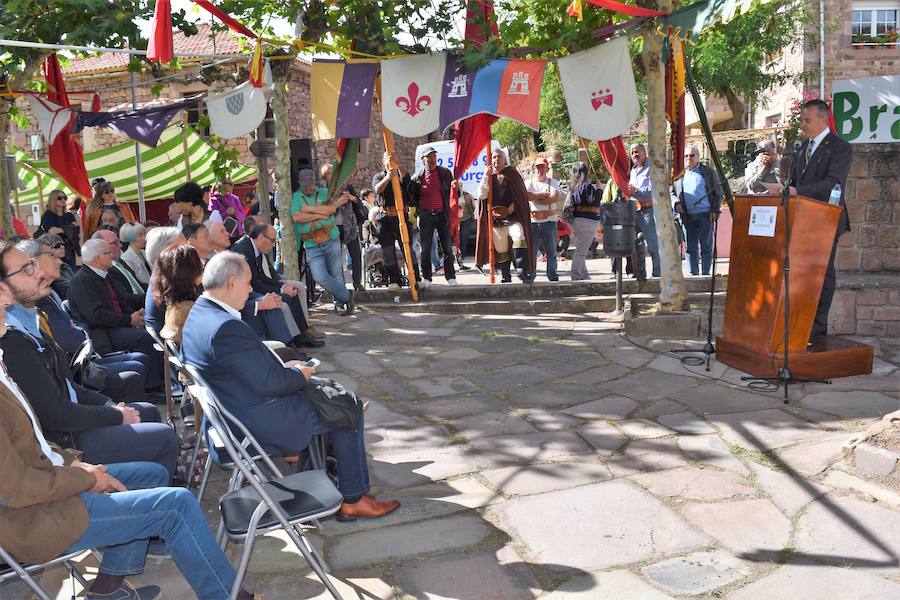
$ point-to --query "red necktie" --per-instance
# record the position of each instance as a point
(112, 296)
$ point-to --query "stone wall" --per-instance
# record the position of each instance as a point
(867, 301)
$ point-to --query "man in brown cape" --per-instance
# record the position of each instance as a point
(511, 219)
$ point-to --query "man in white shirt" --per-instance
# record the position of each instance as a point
(543, 192)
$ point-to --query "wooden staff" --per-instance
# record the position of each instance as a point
(398, 201)
(184, 145)
(490, 216)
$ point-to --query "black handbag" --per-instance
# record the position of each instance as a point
(336, 406)
(94, 376)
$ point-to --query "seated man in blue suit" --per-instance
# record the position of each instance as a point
(260, 391)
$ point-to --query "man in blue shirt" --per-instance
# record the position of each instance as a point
(698, 196)
(641, 195)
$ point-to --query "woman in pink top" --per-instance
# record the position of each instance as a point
(228, 205)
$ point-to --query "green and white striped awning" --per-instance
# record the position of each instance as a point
(163, 168)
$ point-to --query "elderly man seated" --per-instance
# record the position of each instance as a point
(126, 373)
(71, 415)
(264, 394)
(101, 299)
(53, 502)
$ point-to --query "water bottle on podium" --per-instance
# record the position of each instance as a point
(835, 197)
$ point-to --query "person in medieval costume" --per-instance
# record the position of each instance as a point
(510, 219)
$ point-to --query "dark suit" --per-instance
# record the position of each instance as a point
(90, 302)
(828, 166)
(264, 284)
(261, 393)
(41, 368)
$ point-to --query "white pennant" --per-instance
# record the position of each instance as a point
(236, 112)
(599, 88)
(52, 118)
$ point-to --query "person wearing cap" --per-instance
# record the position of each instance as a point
(763, 169)
(313, 215)
(543, 193)
(429, 192)
(388, 223)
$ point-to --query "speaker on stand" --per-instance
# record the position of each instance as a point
(303, 156)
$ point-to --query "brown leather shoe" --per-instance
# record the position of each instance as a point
(367, 508)
(314, 333)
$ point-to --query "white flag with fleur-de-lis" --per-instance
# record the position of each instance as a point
(411, 93)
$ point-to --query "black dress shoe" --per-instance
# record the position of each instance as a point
(304, 340)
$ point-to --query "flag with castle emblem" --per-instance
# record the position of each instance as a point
(411, 93)
(236, 112)
(599, 88)
(504, 87)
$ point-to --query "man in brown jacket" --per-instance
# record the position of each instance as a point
(53, 503)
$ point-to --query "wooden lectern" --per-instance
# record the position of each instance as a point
(752, 339)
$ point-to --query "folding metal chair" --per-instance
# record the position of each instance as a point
(15, 570)
(284, 502)
(160, 346)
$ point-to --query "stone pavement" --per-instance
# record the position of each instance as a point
(548, 456)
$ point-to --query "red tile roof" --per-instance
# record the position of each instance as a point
(226, 42)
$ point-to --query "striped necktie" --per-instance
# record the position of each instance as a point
(44, 324)
(810, 148)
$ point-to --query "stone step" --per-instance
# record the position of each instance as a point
(501, 306)
(537, 290)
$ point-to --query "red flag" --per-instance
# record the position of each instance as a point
(472, 135)
(160, 44)
(223, 16)
(65, 153)
(96, 105)
(617, 162)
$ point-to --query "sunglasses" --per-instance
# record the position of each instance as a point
(61, 198)
(689, 155)
(56, 246)
(109, 191)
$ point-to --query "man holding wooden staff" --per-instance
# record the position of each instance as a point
(389, 223)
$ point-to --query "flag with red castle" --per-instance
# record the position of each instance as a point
(599, 88)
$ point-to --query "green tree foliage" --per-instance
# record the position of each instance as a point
(735, 60)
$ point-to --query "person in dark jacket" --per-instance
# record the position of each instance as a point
(388, 223)
(429, 192)
(58, 221)
(71, 415)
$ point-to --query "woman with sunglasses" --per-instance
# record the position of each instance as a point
(105, 199)
(58, 221)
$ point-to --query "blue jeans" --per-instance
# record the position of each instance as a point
(123, 522)
(324, 261)
(544, 237)
(699, 233)
(646, 224)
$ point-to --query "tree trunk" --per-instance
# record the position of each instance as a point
(31, 65)
(673, 292)
(738, 109)
(283, 169)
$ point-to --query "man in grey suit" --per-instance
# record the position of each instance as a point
(822, 162)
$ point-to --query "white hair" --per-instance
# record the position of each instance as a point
(91, 249)
(222, 267)
(212, 226)
(31, 247)
(158, 239)
(129, 232)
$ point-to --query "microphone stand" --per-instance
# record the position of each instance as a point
(708, 348)
(785, 378)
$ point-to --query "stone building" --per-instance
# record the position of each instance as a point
(107, 75)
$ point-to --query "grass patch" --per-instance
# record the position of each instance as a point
(458, 439)
(492, 333)
(534, 339)
(766, 459)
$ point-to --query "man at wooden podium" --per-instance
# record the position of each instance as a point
(820, 163)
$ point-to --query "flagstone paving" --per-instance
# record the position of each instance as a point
(547, 456)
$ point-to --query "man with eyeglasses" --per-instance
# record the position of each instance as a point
(255, 248)
(126, 374)
(698, 196)
(71, 415)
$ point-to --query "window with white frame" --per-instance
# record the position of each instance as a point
(874, 23)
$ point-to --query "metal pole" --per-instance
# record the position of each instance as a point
(184, 145)
(262, 177)
(821, 49)
(620, 308)
(142, 208)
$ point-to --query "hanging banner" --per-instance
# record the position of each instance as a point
(675, 81)
(52, 118)
(144, 125)
(598, 85)
(508, 88)
(867, 110)
(237, 112)
(341, 98)
(411, 93)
